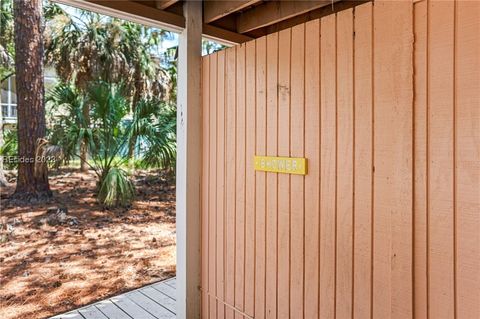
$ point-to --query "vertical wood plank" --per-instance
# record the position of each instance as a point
(189, 164)
(363, 165)
(467, 158)
(393, 158)
(345, 171)
(205, 180)
(382, 223)
(440, 155)
(260, 186)
(420, 169)
(328, 166)
(240, 183)
(291, 246)
(220, 231)
(312, 153)
(283, 274)
(213, 187)
(297, 149)
(271, 190)
(230, 156)
(250, 181)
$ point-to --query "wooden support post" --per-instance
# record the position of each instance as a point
(189, 163)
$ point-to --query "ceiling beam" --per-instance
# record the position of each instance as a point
(308, 16)
(214, 10)
(149, 16)
(163, 4)
(224, 36)
(144, 11)
(275, 11)
(131, 11)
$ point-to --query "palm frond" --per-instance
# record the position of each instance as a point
(116, 188)
(153, 132)
(70, 127)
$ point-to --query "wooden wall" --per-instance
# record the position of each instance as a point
(384, 102)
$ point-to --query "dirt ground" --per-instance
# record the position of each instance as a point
(97, 253)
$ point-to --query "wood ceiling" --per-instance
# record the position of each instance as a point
(234, 21)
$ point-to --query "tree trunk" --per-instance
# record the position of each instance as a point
(138, 84)
(32, 181)
(83, 156)
(84, 143)
(131, 148)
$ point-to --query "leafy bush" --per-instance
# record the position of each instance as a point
(116, 189)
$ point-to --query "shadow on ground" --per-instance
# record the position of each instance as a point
(49, 269)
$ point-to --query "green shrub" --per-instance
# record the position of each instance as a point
(116, 189)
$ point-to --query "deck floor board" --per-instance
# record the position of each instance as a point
(166, 289)
(109, 309)
(92, 313)
(159, 297)
(155, 301)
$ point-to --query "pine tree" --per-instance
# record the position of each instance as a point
(32, 181)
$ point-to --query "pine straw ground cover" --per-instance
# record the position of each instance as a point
(47, 269)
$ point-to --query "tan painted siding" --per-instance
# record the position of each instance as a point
(384, 102)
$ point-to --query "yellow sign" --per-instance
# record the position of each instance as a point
(289, 165)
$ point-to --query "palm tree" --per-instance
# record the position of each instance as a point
(32, 180)
(90, 47)
(109, 132)
(109, 137)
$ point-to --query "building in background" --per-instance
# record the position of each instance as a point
(9, 97)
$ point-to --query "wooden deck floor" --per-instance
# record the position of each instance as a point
(156, 301)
